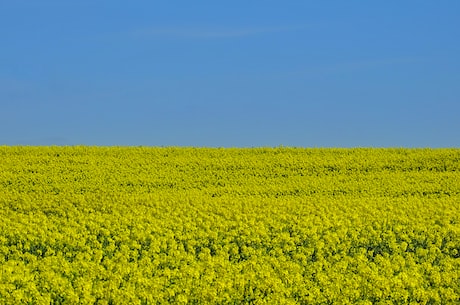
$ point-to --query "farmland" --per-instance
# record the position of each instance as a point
(159, 225)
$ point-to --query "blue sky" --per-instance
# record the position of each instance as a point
(230, 74)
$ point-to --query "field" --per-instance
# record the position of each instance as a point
(139, 225)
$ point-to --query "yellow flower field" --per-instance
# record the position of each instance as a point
(146, 225)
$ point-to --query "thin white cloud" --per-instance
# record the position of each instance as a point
(208, 32)
(377, 63)
(352, 66)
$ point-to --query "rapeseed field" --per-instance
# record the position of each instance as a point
(161, 225)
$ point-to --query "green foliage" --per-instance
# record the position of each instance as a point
(99, 225)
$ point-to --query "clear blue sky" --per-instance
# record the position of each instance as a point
(230, 73)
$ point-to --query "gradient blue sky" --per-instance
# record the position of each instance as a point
(231, 74)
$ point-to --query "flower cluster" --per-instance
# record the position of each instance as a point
(150, 225)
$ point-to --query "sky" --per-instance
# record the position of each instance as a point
(230, 73)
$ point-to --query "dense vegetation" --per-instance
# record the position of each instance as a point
(99, 225)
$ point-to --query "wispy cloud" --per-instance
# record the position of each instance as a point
(213, 32)
(377, 63)
(315, 70)
(352, 66)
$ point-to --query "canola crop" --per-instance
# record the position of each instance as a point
(161, 225)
